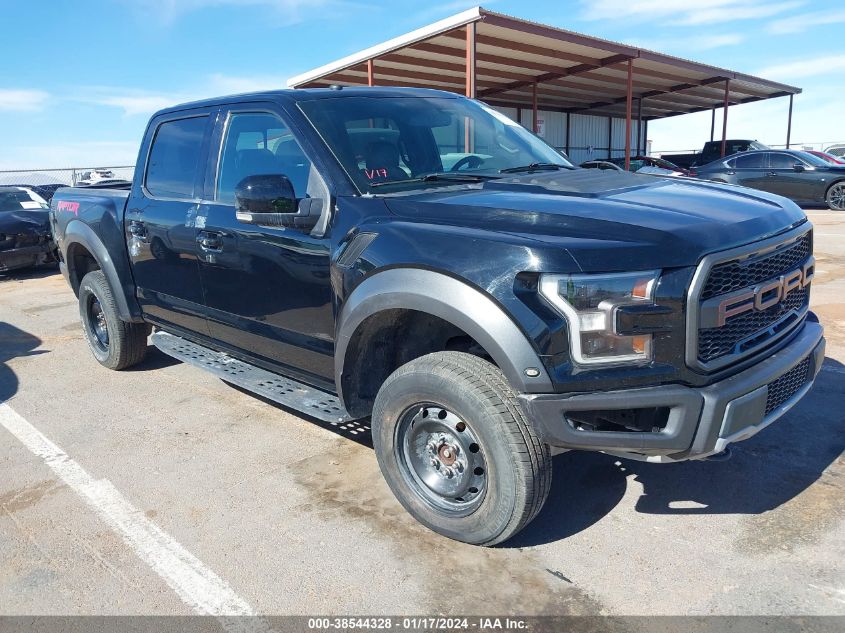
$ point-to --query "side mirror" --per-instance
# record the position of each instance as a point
(270, 200)
(798, 167)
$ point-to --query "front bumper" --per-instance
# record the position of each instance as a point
(700, 421)
(26, 256)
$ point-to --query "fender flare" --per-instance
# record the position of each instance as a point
(451, 300)
(77, 232)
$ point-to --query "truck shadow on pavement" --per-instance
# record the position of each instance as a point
(14, 342)
(764, 472)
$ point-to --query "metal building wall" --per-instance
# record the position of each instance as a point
(590, 137)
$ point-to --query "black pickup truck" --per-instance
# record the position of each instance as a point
(711, 151)
(416, 258)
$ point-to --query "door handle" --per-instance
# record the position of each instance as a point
(772, 173)
(209, 241)
(137, 229)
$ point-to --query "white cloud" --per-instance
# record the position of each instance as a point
(809, 67)
(687, 13)
(694, 43)
(66, 155)
(230, 84)
(800, 23)
(285, 12)
(22, 100)
(446, 9)
(138, 104)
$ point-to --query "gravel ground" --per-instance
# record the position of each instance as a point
(292, 517)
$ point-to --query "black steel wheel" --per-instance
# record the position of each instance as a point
(115, 343)
(454, 445)
(441, 458)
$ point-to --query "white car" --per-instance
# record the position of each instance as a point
(94, 176)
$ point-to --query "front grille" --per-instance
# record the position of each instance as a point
(785, 387)
(742, 331)
(744, 273)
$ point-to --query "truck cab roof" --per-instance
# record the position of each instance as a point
(310, 94)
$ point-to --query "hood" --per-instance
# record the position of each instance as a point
(611, 220)
(25, 222)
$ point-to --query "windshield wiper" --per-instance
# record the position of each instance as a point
(446, 176)
(532, 167)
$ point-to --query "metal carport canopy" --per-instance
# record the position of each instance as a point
(510, 62)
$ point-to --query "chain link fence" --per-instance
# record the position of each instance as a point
(70, 176)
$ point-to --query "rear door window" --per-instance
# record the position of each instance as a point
(750, 161)
(175, 158)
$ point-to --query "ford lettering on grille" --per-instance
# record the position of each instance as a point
(746, 298)
(716, 312)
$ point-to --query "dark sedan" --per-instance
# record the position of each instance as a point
(25, 237)
(804, 178)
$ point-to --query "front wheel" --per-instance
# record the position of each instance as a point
(453, 443)
(115, 344)
(835, 197)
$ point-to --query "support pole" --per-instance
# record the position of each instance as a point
(470, 83)
(371, 72)
(712, 123)
(725, 118)
(628, 106)
(789, 123)
(534, 125)
(639, 124)
(568, 116)
(470, 66)
(609, 137)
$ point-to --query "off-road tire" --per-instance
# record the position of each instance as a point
(518, 465)
(127, 342)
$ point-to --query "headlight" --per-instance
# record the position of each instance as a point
(589, 304)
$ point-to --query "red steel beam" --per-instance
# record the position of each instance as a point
(725, 119)
(789, 123)
(371, 72)
(470, 66)
(628, 104)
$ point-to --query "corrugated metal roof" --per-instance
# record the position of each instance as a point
(573, 72)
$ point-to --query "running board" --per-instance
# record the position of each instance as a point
(289, 393)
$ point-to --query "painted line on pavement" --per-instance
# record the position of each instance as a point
(197, 585)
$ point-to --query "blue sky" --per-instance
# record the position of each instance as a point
(78, 80)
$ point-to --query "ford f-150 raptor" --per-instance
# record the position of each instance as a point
(417, 258)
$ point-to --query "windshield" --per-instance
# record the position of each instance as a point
(812, 159)
(393, 143)
(16, 200)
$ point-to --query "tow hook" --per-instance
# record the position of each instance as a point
(724, 456)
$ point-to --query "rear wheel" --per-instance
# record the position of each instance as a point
(835, 196)
(453, 444)
(115, 344)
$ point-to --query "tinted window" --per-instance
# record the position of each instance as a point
(175, 158)
(782, 161)
(259, 144)
(750, 161)
(400, 140)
